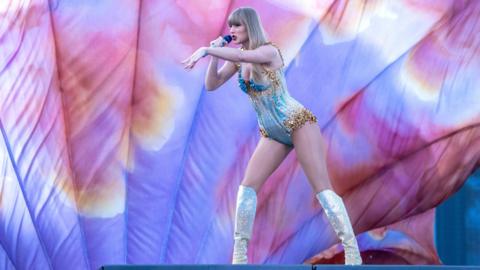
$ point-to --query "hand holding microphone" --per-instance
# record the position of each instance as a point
(190, 62)
(221, 41)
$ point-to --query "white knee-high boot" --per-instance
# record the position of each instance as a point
(338, 217)
(244, 217)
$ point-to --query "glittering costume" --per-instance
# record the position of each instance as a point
(278, 113)
(278, 116)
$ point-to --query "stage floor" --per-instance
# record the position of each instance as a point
(288, 267)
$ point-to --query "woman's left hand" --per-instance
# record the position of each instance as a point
(190, 62)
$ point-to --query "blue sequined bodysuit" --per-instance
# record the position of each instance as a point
(278, 113)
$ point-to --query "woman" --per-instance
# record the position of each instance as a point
(284, 124)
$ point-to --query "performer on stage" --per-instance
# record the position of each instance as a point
(284, 124)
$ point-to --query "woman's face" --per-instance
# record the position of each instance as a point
(239, 34)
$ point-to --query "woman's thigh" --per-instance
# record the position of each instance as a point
(311, 153)
(268, 155)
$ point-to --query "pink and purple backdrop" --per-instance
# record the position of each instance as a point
(111, 153)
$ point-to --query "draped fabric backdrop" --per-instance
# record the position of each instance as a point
(111, 153)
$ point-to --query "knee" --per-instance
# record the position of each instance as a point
(250, 184)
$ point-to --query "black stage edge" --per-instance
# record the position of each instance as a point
(286, 267)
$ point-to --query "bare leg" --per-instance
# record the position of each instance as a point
(267, 157)
(310, 150)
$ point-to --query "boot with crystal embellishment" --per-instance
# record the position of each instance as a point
(338, 217)
(244, 216)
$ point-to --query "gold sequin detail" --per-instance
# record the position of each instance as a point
(263, 132)
(254, 93)
(299, 118)
(272, 77)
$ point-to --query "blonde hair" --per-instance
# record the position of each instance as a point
(249, 18)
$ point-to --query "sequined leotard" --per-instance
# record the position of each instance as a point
(278, 113)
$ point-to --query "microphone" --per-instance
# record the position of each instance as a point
(225, 41)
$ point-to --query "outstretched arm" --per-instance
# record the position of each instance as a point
(214, 77)
(261, 55)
